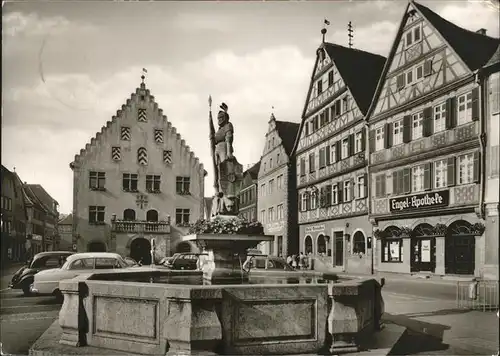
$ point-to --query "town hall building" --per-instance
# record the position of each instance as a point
(135, 182)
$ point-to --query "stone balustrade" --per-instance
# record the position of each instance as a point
(150, 318)
(140, 226)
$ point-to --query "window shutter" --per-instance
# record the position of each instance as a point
(395, 185)
(427, 176)
(428, 67)
(450, 172)
(351, 188)
(340, 191)
(327, 115)
(388, 135)
(407, 129)
(322, 197)
(321, 158)
(308, 201)
(363, 139)
(338, 151)
(302, 166)
(371, 140)
(400, 81)
(327, 155)
(328, 195)
(477, 167)
(382, 185)
(475, 104)
(300, 202)
(337, 108)
(427, 122)
(406, 180)
(351, 144)
(451, 113)
(365, 188)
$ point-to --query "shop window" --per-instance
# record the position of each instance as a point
(358, 243)
(392, 250)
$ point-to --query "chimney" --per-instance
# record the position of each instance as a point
(481, 31)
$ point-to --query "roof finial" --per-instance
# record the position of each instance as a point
(323, 30)
(144, 71)
(350, 35)
(14, 168)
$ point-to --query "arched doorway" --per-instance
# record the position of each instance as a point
(423, 249)
(460, 248)
(129, 214)
(358, 243)
(308, 245)
(96, 246)
(183, 247)
(152, 215)
(321, 245)
(140, 250)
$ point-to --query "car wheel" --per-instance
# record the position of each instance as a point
(59, 296)
(26, 289)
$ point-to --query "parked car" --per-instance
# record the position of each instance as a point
(184, 261)
(23, 278)
(264, 262)
(47, 282)
(130, 261)
(167, 261)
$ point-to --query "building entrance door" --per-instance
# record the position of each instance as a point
(460, 250)
(339, 248)
(423, 249)
(140, 250)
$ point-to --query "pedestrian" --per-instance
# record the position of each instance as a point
(289, 260)
(294, 261)
(302, 261)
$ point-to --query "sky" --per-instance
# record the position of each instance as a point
(68, 66)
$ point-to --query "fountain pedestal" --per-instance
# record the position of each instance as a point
(225, 255)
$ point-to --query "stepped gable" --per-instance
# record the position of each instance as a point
(348, 62)
(473, 48)
(142, 90)
(287, 131)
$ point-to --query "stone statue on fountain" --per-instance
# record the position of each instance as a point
(228, 173)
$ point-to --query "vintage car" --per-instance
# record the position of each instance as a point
(47, 282)
(130, 261)
(185, 261)
(23, 278)
(264, 262)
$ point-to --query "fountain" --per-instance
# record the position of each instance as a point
(217, 310)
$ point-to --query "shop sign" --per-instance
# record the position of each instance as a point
(420, 201)
(37, 237)
(314, 228)
(426, 251)
(273, 227)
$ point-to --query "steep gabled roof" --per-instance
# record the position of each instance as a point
(32, 198)
(495, 58)
(43, 197)
(287, 131)
(253, 171)
(142, 90)
(473, 48)
(360, 70)
(66, 220)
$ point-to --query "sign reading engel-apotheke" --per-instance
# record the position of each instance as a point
(420, 201)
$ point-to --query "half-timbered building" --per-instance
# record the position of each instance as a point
(331, 161)
(248, 193)
(427, 149)
(277, 199)
(136, 182)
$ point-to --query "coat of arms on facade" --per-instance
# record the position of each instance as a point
(142, 201)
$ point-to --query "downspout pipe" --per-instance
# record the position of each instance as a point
(479, 79)
(368, 193)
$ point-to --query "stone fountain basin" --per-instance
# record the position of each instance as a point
(109, 310)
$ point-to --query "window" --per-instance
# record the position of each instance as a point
(279, 181)
(182, 185)
(464, 108)
(335, 194)
(158, 136)
(361, 187)
(116, 153)
(417, 178)
(107, 263)
(345, 148)
(84, 263)
(392, 250)
(466, 169)
(272, 141)
(142, 156)
(330, 78)
(380, 186)
(129, 182)
(129, 215)
(379, 138)
(271, 186)
(262, 216)
(414, 35)
(333, 153)
(125, 133)
(347, 191)
(262, 190)
(279, 212)
(419, 72)
(358, 142)
(314, 200)
(440, 117)
(302, 167)
(152, 183)
(96, 214)
(303, 202)
(270, 163)
(97, 180)
(440, 173)
(141, 115)
(344, 104)
(277, 158)
(322, 157)
(409, 77)
(306, 127)
(397, 131)
(181, 217)
(320, 86)
(270, 214)
(494, 93)
(417, 120)
(167, 156)
(312, 169)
